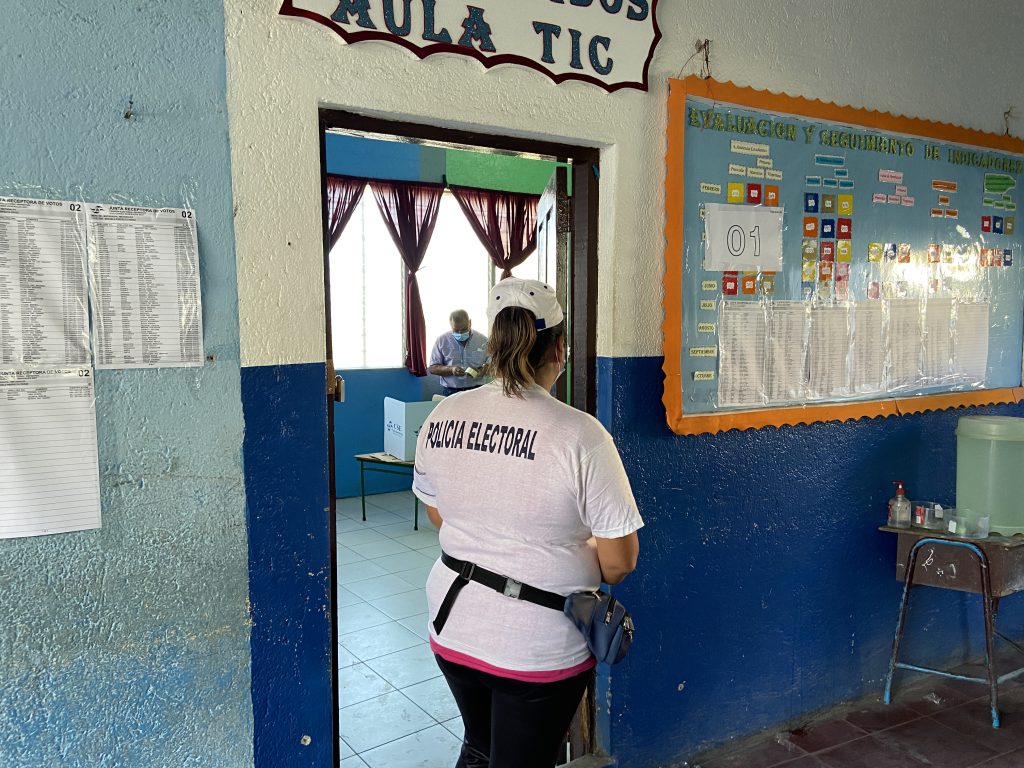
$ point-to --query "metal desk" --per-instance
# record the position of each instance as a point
(386, 464)
(992, 567)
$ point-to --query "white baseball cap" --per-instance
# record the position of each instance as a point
(533, 295)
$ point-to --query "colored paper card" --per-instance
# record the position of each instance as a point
(890, 177)
(735, 169)
(809, 250)
(768, 283)
(755, 172)
(934, 285)
(828, 203)
(997, 225)
(943, 186)
(708, 305)
(730, 283)
(841, 173)
(844, 250)
(810, 226)
(828, 250)
(703, 375)
(938, 212)
(874, 252)
(874, 290)
(842, 288)
(894, 199)
(889, 251)
(1007, 257)
(947, 254)
(828, 228)
(907, 201)
(808, 271)
(986, 223)
(773, 173)
(901, 189)
(807, 289)
(903, 253)
(812, 181)
(709, 285)
(845, 204)
(811, 202)
(846, 183)
(879, 197)
(710, 189)
(844, 229)
(705, 327)
(832, 160)
(764, 162)
(951, 213)
(934, 251)
(771, 194)
(843, 270)
(734, 192)
(825, 270)
(754, 194)
(824, 290)
(1009, 225)
(943, 199)
(984, 259)
(749, 283)
(833, 183)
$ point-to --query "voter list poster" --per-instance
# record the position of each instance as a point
(144, 285)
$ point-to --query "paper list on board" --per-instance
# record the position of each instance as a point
(828, 349)
(144, 280)
(49, 478)
(970, 347)
(904, 354)
(937, 356)
(867, 350)
(741, 345)
(785, 366)
(44, 318)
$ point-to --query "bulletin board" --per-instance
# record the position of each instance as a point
(829, 263)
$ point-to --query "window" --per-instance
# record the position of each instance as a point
(368, 285)
(367, 293)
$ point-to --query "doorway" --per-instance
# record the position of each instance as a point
(578, 289)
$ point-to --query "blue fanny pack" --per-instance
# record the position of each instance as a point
(603, 621)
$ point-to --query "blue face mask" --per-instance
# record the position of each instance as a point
(461, 336)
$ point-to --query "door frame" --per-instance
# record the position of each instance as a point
(582, 268)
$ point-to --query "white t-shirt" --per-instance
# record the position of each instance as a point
(522, 485)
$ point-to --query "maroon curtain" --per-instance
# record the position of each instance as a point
(410, 212)
(505, 222)
(343, 195)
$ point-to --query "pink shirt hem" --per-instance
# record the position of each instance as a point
(540, 676)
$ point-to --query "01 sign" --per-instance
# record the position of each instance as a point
(742, 238)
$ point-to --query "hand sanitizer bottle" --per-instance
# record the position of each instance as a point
(899, 508)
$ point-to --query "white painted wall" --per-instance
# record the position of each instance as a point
(939, 59)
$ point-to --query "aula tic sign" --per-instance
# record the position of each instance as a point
(609, 43)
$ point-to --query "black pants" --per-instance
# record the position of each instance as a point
(510, 723)
(450, 391)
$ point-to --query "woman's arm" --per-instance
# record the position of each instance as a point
(617, 557)
(434, 515)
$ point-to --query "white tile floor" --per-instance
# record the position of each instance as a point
(396, 710)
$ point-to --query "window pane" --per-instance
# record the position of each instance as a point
(367, 294)
(455, 273)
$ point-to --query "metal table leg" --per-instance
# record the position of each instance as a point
(989, 605)
(362, 488)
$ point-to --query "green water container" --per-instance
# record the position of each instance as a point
(990, 470)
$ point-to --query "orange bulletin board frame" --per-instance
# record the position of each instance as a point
(728, 93)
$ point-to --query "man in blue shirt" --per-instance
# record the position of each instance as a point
(459, 357)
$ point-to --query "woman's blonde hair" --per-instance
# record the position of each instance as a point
(518, 350)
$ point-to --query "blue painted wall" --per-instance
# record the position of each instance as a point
(289, 526)
(359, 424)
(129, 646)
(764, 591)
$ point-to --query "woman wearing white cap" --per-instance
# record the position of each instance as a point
(533, 504)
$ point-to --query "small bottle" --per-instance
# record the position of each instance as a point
(899, 508)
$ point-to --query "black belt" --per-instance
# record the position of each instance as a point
(507, 586)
